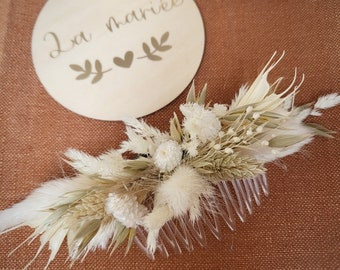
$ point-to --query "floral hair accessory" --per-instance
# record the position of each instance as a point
(206, 167)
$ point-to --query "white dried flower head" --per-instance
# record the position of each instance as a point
(125, 209)
(265, 143)
(236, 139)
(199, 122)
(191, 147)
(274, 151)
(221, 134)
(230, 131)
(256, 116)
(259, 129)
(249, 109)
(229, 151)
(168, 156)
(219, 110)
(250, 132)
(217, 147)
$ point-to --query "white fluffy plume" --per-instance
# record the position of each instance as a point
(176, 196)
(143, 139)
(101, 166)
(33, 212)
(326, 102)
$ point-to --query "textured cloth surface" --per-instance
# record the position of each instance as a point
(296, 227)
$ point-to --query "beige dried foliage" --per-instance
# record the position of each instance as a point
(176, 132)
(218, 166)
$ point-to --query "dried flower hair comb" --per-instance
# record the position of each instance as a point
(206, 168)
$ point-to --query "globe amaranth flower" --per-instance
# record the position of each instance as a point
(199, 122)
(191, 147)
(168, 156)
(220, 110)
(125, 209)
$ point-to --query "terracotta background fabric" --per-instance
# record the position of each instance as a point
(296, 227)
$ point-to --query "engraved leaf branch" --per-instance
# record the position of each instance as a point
(86, 71)
(151, 53)
(158, 47)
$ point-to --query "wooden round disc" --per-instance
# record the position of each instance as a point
(108, 59)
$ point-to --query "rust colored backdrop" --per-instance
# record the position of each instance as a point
(297, 226)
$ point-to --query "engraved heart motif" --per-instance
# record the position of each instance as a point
(125, 62)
